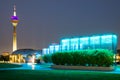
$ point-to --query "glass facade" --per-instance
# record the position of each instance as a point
(95, 42)
(56, 48)
(74, 43)
(65, 44)
(84, 42)
(45, 51)
(51, 49)
(81, 43)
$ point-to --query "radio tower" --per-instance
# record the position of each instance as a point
(14, 21)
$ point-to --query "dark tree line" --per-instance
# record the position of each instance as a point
(4, 58)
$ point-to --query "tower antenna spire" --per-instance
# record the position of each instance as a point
(14, 10)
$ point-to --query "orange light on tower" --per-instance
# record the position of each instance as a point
(14, 21)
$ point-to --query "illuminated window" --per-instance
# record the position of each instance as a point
(65, 43)
(57, 48)
(84, 41)
(74, 43)
(106, 39)
(45, 51)
(95, 40)
(106, 42)
(51, 48)
(81, 46)
(114, 39)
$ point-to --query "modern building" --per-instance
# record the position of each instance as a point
(25, 56)
(14, 21)
(51, 49)
(106, 41)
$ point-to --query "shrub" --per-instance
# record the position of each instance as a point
(76, 58)
(98, 57)
(68, 58)
(104, 58)
(82, 58)
(47, 58)
(57, 58)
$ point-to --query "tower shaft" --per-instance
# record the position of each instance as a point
(14, 38)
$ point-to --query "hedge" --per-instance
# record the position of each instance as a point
(47, 58)
(97, 57)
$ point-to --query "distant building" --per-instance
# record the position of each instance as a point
(5, 53)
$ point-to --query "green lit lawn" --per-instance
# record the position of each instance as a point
(55, 75)
(8, 65)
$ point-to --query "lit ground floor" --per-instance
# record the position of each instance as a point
(19, 58)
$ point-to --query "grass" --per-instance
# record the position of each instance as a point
(55, 75)
(8, 65)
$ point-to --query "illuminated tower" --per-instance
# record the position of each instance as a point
(14, 20)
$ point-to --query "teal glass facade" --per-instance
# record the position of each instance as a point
(108, 41)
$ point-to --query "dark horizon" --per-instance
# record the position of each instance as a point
(42, 22)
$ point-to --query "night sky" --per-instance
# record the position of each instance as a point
(42, 22)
